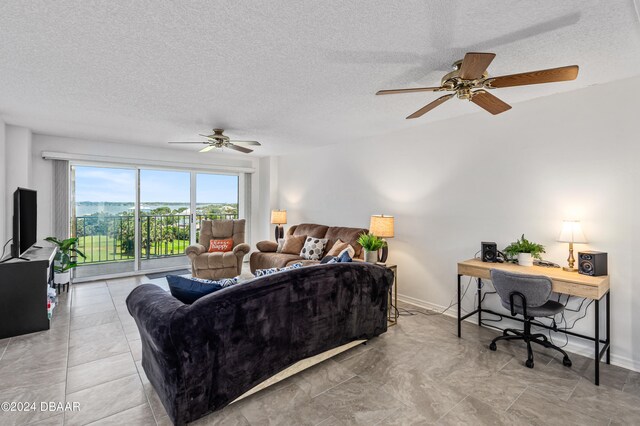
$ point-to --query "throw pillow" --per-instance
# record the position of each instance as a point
(220, 246)
(344, 257)
(188, 289)
(280, 245)
(349, 250)
(337, 247)
(293, 245)
(313, 248)
(263, 272)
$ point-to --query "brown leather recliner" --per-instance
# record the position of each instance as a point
(267, 257)
(217, 265)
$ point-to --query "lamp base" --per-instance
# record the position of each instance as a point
(568, 269)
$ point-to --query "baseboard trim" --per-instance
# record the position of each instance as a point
(578, 348)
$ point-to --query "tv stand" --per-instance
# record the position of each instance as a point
(23, 292)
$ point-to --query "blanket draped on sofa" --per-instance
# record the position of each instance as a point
(201, 357)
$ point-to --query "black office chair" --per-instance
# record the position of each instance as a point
(527, 295)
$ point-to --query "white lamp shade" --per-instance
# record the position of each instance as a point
(278, 217)
(571, 232)
(381, 226)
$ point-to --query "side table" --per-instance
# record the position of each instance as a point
(392, 311)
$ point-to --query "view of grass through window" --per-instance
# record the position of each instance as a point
(103, 216)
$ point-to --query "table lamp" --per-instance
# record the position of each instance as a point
(571, 233)
(279, 218)
(382, 226)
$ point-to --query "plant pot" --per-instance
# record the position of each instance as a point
(370, 256)
(62, 277)
(525, 259)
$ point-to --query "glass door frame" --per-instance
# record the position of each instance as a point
(241, 201)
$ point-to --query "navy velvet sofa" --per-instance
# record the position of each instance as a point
(201, 357)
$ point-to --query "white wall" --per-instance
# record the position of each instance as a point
(3, 175)
(42, 170)
(452, 184)
(18, 167)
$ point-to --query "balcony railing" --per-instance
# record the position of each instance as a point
(112, 238)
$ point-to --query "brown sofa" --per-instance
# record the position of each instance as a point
(213, 266)
(267, 257)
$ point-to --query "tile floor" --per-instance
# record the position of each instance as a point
(417, 373)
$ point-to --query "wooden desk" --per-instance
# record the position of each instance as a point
(570, 283)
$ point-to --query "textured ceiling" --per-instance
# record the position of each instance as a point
(290, 74)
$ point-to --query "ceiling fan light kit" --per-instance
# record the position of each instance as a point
(470, 80)
(220, 141)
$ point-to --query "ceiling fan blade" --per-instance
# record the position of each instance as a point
(535, 77)
(417, 89)
(207, 148)
(190, 142)
(425, 109)
(238, 148)
(475, 64)
(255, 143)
(486, 100)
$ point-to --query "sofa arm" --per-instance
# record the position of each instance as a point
(267, 246)
(155, 312)
(241, 249)
(195, 250)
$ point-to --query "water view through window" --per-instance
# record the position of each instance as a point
(104, 211)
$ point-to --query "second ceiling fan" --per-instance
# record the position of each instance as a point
(469, 80)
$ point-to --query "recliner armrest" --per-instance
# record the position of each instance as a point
(267, 246)
(242, 248)
(195, 250)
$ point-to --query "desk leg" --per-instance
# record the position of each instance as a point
(597, 344)
(608, 317)
(479, 302)
(459, 308)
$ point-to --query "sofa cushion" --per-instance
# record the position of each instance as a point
(304, 262)
(293, 244)
(272, 260)
(188, 290)
(216, 260)
(308, 230)
(348, 235)
(338, 247)
(313, 248)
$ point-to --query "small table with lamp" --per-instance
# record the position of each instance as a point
(383, 226)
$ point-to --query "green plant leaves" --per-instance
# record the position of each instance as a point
(370, 242)
(524, 246)
(67, 253)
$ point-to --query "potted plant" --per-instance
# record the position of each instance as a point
(66, 259)
(371, 244)
(524, 250)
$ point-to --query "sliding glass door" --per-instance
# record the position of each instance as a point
(216, 198)
(103, 218)
(140, 219)
(165, 218)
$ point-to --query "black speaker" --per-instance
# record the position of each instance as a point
(593, 263)
(489, 252)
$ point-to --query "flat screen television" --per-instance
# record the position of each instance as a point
(25, 218)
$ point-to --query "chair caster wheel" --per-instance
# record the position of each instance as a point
(566, 361)
(529, 363)
(492, 346)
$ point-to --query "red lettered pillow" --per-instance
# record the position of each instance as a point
(220, 246)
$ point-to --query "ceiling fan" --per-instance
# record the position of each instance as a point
(469, 80)
(218, 140)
